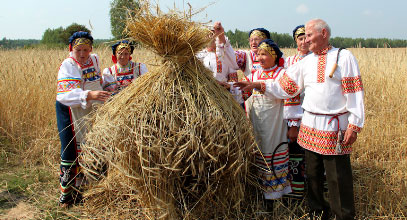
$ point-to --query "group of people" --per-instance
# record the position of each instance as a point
(306, 110)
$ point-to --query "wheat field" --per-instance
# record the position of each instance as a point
(27, 119)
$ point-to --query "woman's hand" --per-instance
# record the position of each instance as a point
(98, 95)
(247, 86)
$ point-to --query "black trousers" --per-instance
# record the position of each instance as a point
(340, 185)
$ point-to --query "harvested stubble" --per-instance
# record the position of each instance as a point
(175, 144)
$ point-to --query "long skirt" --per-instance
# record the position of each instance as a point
(270, 131)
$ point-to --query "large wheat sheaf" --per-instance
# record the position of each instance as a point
(174, 144)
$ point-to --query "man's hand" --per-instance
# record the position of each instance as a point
(350, 137)
(292, 133)
(219, 32)
(98, 95)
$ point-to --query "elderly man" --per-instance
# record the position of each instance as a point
(333, 116)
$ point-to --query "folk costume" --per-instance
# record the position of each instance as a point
(117, 77)
(222, 63)
(75, 80)
(331, 105)
(247, 60)
(266, 114)
(293, 113)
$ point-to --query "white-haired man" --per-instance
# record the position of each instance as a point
(333, 115)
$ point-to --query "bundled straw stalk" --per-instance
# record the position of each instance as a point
(173, 145)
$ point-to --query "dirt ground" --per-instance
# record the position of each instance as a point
(14, 207)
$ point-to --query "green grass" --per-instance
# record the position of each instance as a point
(35, 185)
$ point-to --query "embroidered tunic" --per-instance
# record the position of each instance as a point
(266, 115)
(247, 61)
(74, 83)
(292, 106)
(116, 78)
(324, 98)
(223, 65)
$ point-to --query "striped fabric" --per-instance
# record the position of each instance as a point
(275, 185)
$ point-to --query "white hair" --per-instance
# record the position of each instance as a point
(319, 24)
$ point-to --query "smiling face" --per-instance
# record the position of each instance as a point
(266, 60)
(317, 39)
(81, 53)
(123, 56)
(302, 46)
(254, 42)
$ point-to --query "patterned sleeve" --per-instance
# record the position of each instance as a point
(352, 89)
(109, 81)
(292, 110)
(241, 59)
(69, 91)
(288, 84)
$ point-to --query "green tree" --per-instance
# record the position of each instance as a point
(119, 11)
(70, 30)
(52, 36)
(61, 35)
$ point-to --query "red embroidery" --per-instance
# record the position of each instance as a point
(321, 68)
(322, 142)
(270, 74)
(354, 128)
(241, 59)
(322, 64)
(218, 65)
(352, 84)
(67, 85)
(288, 85)
(232, 77)
(293, 101)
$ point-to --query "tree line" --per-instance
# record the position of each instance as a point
(58, 38)
(239, 39)
(121, 9)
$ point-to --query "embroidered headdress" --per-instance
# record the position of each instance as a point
(298, 31)
(272, 48)
(260, 32)
(80, 38)
(120, 45)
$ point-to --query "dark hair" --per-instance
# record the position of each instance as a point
(80, 34)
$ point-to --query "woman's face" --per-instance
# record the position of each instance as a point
(254, 42)
(302, 46)
(81, 53)
(266, 60)
(123, 56)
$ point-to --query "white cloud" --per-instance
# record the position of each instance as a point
(302, 9)
(369, 12)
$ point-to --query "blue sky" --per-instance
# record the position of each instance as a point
(28, 19)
